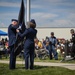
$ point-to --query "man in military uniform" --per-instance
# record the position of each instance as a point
(53, 43)
(12, 39)
(73, 41)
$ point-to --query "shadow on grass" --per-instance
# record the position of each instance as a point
(35, 67)
(40, 67)
(18, 66)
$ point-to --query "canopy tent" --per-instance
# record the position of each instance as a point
(2, 33)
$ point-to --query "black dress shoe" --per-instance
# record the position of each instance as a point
(12, 68)
(32, 69)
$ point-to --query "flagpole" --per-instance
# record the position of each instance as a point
(28, 19)
(28, 12)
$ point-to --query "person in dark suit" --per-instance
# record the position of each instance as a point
(73, 41)
(30, 34)
(12, 39)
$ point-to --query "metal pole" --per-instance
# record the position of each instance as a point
(28, 12)
(28, 19)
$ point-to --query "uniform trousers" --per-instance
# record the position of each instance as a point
(73, 51)
(29, 56)
(12, 62)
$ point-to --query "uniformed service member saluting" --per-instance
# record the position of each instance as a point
(30, 34)
(12, 39)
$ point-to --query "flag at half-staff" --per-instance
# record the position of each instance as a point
(21, 22)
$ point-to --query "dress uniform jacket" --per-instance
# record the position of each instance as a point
(73, 46)
(12, 34)
(30, 34)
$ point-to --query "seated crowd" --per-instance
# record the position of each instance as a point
(3, 47)
(41, 47)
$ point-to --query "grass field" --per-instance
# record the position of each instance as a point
(42, 60)
(38, 70)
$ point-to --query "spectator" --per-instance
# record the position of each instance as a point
(38, 44)
(73, 41)
(53, 44)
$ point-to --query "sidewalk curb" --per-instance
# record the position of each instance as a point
(65, 65)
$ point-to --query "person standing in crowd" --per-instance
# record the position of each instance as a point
(12, 39)
(29, 44)
(73, 41)
(53, 44)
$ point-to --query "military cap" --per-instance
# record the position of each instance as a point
(14, 20)
(33, 21)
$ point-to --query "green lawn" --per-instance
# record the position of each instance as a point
(42, 60)
(38, 70)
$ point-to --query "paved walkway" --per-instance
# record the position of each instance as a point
(65, 65)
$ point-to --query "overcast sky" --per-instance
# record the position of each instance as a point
(47, 13)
